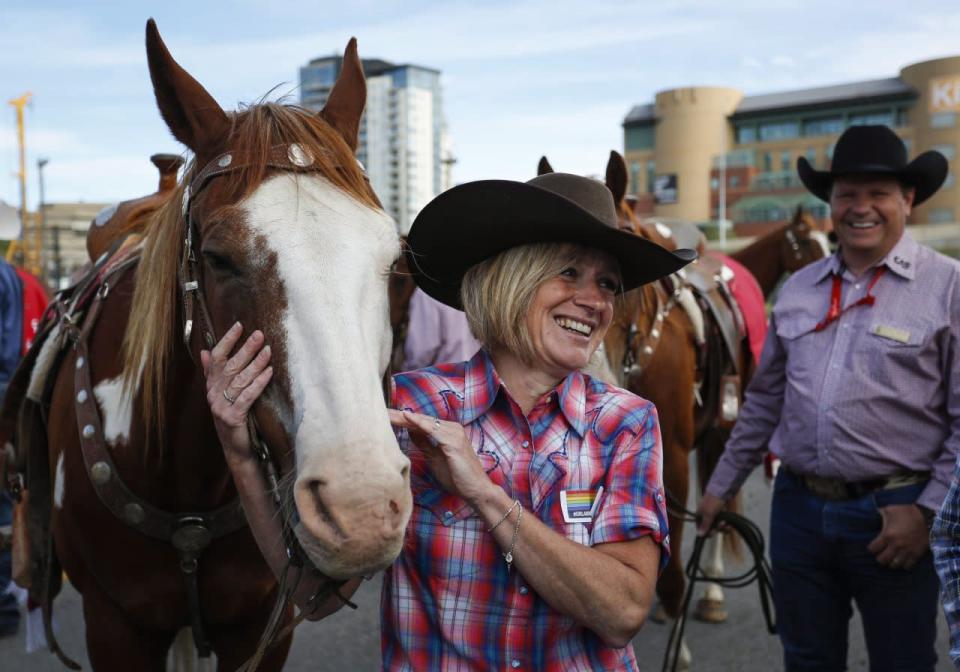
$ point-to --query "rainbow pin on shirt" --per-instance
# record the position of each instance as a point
(579, 506)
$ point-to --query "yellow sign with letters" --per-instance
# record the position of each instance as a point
(945, 94)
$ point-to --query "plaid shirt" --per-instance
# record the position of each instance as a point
(448, 602)
(945, 544)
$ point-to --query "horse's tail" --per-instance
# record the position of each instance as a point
(708, 455)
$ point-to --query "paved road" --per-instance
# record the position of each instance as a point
(348, 641)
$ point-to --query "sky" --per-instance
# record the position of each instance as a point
(520, 79)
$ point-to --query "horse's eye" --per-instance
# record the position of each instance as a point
(220, 263)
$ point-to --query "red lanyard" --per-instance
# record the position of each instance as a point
(835, 312)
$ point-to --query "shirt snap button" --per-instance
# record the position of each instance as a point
(515, 664)
(448, 514)
(525, 444)
(524, 590)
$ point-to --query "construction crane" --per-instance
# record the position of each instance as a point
(26, 250)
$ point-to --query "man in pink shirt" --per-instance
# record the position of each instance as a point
(437, 334)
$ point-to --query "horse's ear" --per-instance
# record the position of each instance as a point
(544, 167)
(345, 104)
(192, 115)
(617, 176)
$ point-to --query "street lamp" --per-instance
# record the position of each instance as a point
(41, 162)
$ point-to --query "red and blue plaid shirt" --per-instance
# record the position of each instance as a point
(448, 601)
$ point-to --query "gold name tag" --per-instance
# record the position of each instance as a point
(892, 333)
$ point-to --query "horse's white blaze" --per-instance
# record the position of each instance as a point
(58, 484)
(333, 255)
(116, 408)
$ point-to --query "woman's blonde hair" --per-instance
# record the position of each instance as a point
(497, 293)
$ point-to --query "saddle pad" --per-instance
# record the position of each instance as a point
(748, 295)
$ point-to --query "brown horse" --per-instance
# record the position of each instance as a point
(785, 250)
(274, 226)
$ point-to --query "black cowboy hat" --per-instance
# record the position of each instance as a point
(477, 220)
(876, 150)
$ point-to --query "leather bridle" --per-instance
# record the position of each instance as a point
(641, 347)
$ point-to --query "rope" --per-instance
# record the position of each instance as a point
(759, 572)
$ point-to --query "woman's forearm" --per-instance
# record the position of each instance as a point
(594, 587)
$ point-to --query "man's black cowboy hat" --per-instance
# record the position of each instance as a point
(477, 220)
(876, 150)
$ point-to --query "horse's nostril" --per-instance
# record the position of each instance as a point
(405, 471)
(394, 507)
(315, 484)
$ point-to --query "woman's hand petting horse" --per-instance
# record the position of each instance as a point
(233, 384)
(450, 456)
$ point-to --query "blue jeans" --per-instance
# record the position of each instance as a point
(820, 561)
(9, 611)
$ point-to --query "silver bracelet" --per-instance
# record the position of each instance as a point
(508, 556)
(515, 504)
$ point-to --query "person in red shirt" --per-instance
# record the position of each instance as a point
(539, 523)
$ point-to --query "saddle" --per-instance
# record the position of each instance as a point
(709, 278)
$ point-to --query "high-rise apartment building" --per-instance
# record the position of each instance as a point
(674, 145)
(404, 144)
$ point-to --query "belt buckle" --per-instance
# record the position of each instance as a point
(827, 488)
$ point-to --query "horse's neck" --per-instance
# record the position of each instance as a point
(763, 259)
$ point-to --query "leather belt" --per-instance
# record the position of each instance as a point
(836, 489)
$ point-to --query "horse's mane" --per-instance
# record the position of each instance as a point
(153, 326)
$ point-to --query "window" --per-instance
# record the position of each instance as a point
(950, 181)
(651, 175)
(714, 184)
(734, 181)
(811, 155)
(785, 160)
(740, 158)
(943, 120)
(746, 134)
(884, 118)
(635, 177)
(941, 215)
(830, 151)
(779, 130)
(767, 161)
(823, 125)
(638, 137)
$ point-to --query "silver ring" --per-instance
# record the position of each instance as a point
(436, 423)
(229, 398)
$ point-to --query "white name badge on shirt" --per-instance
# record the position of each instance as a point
(579, 506)
(891, 333)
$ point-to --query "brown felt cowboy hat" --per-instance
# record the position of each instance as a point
(477, 220)
(869, 150)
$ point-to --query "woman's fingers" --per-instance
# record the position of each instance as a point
(409, 420)
(247, 352)
(221, 351)
(253, 369)
(249, 394)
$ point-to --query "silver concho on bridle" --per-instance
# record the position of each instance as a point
(299, 156)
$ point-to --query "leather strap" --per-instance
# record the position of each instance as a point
(639, 352)
(110, 488)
